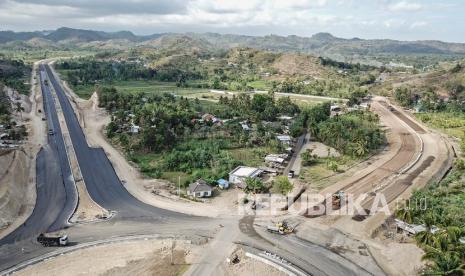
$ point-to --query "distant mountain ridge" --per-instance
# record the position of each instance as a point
(318, 44)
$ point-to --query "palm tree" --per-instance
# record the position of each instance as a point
(445, 263)
(427, 237)
(404, 214)
(19, 109)
(361, 148)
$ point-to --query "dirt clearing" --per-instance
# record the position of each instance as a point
(146, 257)
(248, 266)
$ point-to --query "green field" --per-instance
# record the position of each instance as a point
(452, 124)
(138, 86)
(260, 85)
(317, 174)
(30, 56)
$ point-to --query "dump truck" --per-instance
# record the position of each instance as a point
(281, 228)
(337, 200)
(52, 240)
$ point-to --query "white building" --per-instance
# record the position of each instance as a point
(276, 158)
(285, 139)
(200, 188)
(135, 129)
(241, 173)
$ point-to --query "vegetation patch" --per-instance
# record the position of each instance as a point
(440, 207)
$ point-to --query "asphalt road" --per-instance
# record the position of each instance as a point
(56, 195)
(100, 178)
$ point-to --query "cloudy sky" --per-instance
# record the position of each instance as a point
(397, 19)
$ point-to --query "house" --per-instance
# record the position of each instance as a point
(276, 158)
(200, 188)
(413, 229)
(335, 108)
(245, 126)
(365, 105)
(241, 173)
(223, 183)
(134, 129)
(285, 118)
(210, 118)
(285, 139)
(207, 117)
(270, 171)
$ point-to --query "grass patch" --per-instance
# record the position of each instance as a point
(250, 156)
(316, 175)
(452, 124)
(260, 85)
(136, 86)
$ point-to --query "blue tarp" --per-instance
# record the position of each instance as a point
(224, 184)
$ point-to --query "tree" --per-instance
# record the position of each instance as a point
(112, 127)
(283, 185)
(19, 109)
(405, 214)
(403, 96)
(308, 158)
(427, 237)
(253, 185)
(445, 263)
(361, 148)
(332, 165)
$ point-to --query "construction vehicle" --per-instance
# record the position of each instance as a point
(337, 200)
(281, 228)
(53, 240)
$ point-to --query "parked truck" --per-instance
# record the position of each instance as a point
(53, 240)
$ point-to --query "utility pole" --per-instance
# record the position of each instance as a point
(173, 243)
(179, 186)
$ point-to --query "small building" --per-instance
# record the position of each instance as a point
(270, 171)
(413, 229)
(365, 105)
(276, 158)
(199, 188)
(210, 118)
(285, 118)
(223, 183)
(134, 129)
(285, 139)
(245, 127)
(335, 108)
(241, 173)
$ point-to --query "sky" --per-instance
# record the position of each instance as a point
(394, 19)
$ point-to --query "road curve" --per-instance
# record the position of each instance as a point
(100, 178)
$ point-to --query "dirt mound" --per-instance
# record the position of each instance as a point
(297, 64)
(13, 187)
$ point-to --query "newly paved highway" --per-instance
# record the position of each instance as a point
(56, 195)
(100, 178)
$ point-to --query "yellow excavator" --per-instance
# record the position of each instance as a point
(281, 228)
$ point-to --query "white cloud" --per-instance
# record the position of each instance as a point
(404, 6)
(394, 23)
(418, 24)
